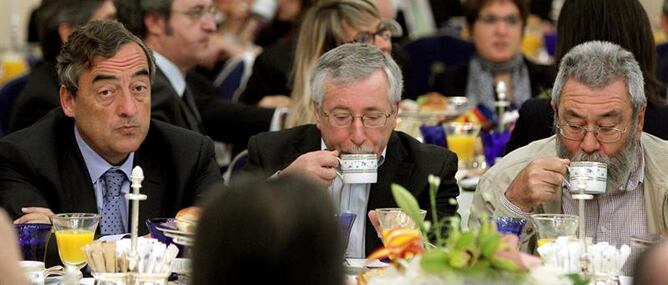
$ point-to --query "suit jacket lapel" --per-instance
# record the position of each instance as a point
(393, 170)
(76, 190)
(152, 186)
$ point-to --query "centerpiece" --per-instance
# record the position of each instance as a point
(456, 256)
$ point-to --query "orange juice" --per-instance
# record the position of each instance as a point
(463, 146)
(406, 235)
(13, 65)
(70, 245)
(544, 241)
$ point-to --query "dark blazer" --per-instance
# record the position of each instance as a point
(453, 81)
(407, 162)
(38, 97)
(222, 120)
(536, 122)
(42, 166)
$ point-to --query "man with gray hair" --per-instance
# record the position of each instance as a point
(599, 104)
(356, 91)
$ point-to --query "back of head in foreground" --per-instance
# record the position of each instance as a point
(277, 231)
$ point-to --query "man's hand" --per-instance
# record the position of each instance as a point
(537, 183)
(35, 215)
(318, 165)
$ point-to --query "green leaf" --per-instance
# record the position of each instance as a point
(459, 259)
(434, 261)
(407, 202)
(489, 245)
(466, 241)
(504, 264)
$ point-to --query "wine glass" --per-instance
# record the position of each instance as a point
(73, 231)
(396, 218)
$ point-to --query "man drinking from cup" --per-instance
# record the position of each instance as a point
(356, 91)
(599, 106)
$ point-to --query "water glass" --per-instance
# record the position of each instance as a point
(551, 226)
(510, 225)
(33, 239)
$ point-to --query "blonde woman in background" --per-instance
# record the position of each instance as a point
(326, 26)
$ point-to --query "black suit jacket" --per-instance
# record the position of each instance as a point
(38, 97)
(536, 122)
(453, 81)
(42, 166)
(407, 162)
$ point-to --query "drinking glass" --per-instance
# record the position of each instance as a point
(73, 231)
(510, 225)
(461, 138)
(33, 239)
(396, 218)
(551, 226)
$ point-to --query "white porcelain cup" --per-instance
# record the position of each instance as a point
(592, 175)
(34, 271)
(358, 168)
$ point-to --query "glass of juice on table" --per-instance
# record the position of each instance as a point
(461, 139)
(73, 231)
(551, 226)
(395, 218)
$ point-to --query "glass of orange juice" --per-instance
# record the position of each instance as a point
(461, 139)
(552, 226)
(73, 231)
(396, 218)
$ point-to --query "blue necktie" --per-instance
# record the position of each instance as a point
(111, 222)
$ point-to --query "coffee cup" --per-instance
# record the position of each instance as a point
(33, 270)
(358, 168)
(591, 175)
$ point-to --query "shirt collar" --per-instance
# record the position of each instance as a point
(174, 75)
(381, 159)
(95, 164)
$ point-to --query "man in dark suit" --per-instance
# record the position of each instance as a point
(79, 158)
(351, 82)
(178, 31)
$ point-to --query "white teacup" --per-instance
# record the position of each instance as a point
(592, 175)
(34, 271)
(358, 168)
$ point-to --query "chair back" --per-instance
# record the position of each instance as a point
(427, 54)
(237, 163)
(8, 94)
(231, 81)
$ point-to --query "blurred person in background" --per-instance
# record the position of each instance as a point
(587, 20)
(651, 266)
(10, 271)
(178, 32)
(276, 231)
(285, 24)
(496, 28)
(56, 19)
(326, 26)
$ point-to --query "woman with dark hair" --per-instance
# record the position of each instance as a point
(276, 231)
(496, 28)
(623, 22)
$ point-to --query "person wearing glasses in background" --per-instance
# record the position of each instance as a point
(178, 32)
(326, 25)
(355, 91)
(496, 28)
(599, 102)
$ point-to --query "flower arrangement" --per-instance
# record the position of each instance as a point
(478, 256)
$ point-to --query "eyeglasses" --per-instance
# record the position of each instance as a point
(198, 13)
(602, 134)
(369, 120)
(511, 20)
(386, 30)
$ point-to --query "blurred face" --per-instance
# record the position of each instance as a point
(288, 10)
(342, 100)
(184, 38)
(497, 32)
(237, 9)
(106, 11)
(374, 34)
(112, 107)
(605, 108)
